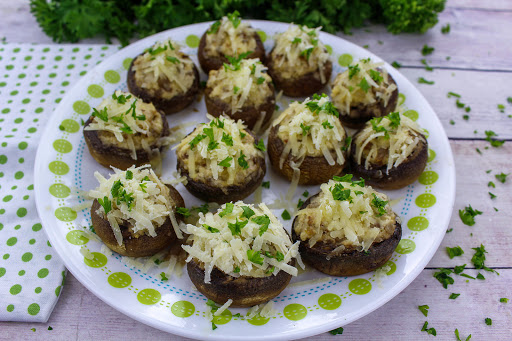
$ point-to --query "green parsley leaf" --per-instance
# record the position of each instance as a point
(458, 336)
(163, 276)
(337, 331)
(459, 268)
(255, 257)
(491, 184)
(492, 195)
(217, 123)
(327, 125)
(353, 70)
(214, 28)
(452, 94)
(235, 89)
(445, 29)
(260, 80)
(227, 210)
(121, 99)
(226, 162)
(204, 208)
(279, 256)
(495, 143)
(376, 76)
(270, 270)
(214, 326)
(300, 203)
(430, 331)
(242, 162)
(234, 17)
(453, 296)
(480, 276)
(237, 227)
(364, 85)
(242, 135)
(426, 50)
(468, 214)
(347, 143)
(296, 40)
(305, 194)
(263, 221)
(183, 211)
(50, 328)
(503, 300)
(424, 309)
(340, 193)
(102, 115)
(196, 140)
(265, 184)
(379, 204)
(260, 145)
(454, 251)
(143, 186)
(502, 177)
(248, 212)
(443, 276)
(129, 175)
(427, 67)
(237, 270)
(396, 65)
(307, 52)
(305, 129)
(106, 203)
(394, 119)
(422, 80)
(227, 139)
(286, 215)
(173, 60)
(452, 122)
(488, 321)
(33, 329)
(478, 258)
(210, 228)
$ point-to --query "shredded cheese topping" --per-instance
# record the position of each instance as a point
(240, 240)
(387, 140)
(128, 122)
(163, 68)
(135, 198)
(221, 151)
(298, 51)
(243, 83)
(312, 128)
(365, 83)
(229, 36)
(346, 213)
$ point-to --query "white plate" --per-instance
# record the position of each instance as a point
(64, 166)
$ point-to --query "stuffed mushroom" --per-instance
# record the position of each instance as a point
(228, 36)
(124, 131)
(240, 253)
(346, 229)
(221, 160)
(299, 63)
(390, 152)
(307, 143)
(134, 213)
(164, 76)
(364, 91)
(241, 90)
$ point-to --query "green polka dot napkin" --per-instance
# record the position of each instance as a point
(33, 79)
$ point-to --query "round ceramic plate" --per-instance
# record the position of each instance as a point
(312, 303)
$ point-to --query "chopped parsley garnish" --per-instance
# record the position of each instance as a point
(452, 94)
(235, 89)
(379, 204)
(495, 143)
(163, 276)
(227, 210)
(468, 214)
(430, 331)
(327, 125)
(102, 115)
(396, 65)
(286, 215)
(196, 140)
(203, 208)
(260, 80)
(453, 296)
(50, 328)
(503, 300)
(305, 194)
(234, 18)
(394, 119)
(255, 257)
(340, 193)
(211, 229)
(445, 29)
(237, 227)
(488, 321)
(217, 123)
(478, 151)
(478, 258)
(307, 52)
(270, 270)
(183, 211)
(263, 221)
(248, 212)
(424, 309)
(452, 122)
(427, 67)
(353, 70)
(214, 326)
(337, 331)
(214, 28)
(156, 51)
(465, 117)
(242, 134)
(260, 145)
(502, 177)
(459, 268)
(300, 203)
(120, 194)
(234, 62)
(296, 40)
(454, 251)
(443, 276)
(265, 184)
(378, 129)
(106, 203)
(121, 99)
(226, 162)
(237, 270)
(364, 85)
(143, 187)
(458, 336)
(173, 60)
(227, 139)
(426, 50)
(480, 276)
(492, 195)
(348, 141)
(501, 108)
(279, 256)
(242, 162)
(376, 76)
(305, 129)
(129, 175)
(422, 80)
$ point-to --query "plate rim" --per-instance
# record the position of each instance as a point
(311, 330)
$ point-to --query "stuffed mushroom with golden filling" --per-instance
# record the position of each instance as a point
(364, 91)
(221, 160)
(134, 213)
(229, 36)
(240, 253)
(164, 76)
(124, 131)
(241, 90)
(299, 63)
(346, 229)
(307, 142)
(390, 152)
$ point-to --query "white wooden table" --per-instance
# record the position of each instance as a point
(480, 70)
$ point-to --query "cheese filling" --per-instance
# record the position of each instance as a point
(365, 83)
(312, 128)
(298, 51)
(135, 198)
(387, 140)
(240, 240)
(127, 122)
(229, 36)
(346, 213)
(221, 152)
(241, 83)
(164, 69)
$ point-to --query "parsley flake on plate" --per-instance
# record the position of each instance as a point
(468, 214)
